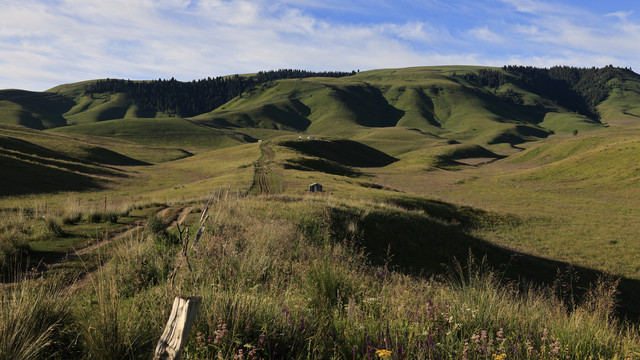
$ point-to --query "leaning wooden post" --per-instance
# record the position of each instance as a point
(174, 337)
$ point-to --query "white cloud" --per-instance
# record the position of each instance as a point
(484, 34)
(537, 7)
(622, 15)
(45, 43)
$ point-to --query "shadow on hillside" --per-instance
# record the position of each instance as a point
(321, 165)
(291, 114)
(93, 153)
(520, 134)
(42, 110)
(345, 152)
(22, 177)
(368, 105)
(424, 242)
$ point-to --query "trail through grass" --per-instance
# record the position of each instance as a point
(265, 180)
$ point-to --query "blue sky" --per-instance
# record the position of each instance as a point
(44, 43)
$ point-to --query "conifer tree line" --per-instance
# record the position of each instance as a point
(197, 96)
(577, 89)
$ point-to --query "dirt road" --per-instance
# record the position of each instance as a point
(263, 175)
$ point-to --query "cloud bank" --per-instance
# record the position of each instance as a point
(44, 43)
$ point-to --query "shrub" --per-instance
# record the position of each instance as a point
(111, 217)
(94, 217)
(139, 266)
(155, 225)
(72, 219)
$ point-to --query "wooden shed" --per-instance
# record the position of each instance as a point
(315, 187)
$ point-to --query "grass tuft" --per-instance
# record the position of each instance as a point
(35, 322)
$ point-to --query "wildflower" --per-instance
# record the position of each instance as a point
(465, 350)
(529, 346)
(545, 332)
(220, 332)
(383, 353)
(200, 339)
(239, 355)
(253, 354)
(499, 356)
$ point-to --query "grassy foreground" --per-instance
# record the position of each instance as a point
(298, 277)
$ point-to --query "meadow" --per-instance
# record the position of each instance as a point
(451, 226)
(288, 277)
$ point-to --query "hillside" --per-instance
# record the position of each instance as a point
(467, 212)
(487, 106)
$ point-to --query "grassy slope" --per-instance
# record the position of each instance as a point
(105, 107)
(571, 199)
(200, 174)
(62, 147)
(37, 162)
(546, 223)
(623, 102)
(33, 109)
(571, 194)
(174, 132)
(288, 277)
(432, 99)
(435, 100)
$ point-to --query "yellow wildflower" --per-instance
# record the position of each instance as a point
(383, 354)
(499, 356)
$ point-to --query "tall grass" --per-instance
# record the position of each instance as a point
(113, 326)
(277, 283)
(270, 293)
(14, 252)
(35, 321)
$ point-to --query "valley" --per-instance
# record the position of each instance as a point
(447, 188)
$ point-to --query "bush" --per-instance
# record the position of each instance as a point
(328, 286)
(155, 225)
(111, 217)
(72, 219)
(140, 265)
(94, 217)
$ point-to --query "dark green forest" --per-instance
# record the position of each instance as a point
(197, 96)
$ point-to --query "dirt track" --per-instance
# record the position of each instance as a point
(177, 218)
(261, 183)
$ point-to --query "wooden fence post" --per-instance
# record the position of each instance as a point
(174, 337)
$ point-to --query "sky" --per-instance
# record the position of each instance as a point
(44, 43)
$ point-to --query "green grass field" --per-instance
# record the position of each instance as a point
(419, 167)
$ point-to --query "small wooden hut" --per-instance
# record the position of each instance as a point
(315, 187)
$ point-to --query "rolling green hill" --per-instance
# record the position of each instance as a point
(487, 106)
(418, 165)
(32, 109)
(442, 101)
(161, 131)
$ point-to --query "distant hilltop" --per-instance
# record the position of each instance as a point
(490, 105)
